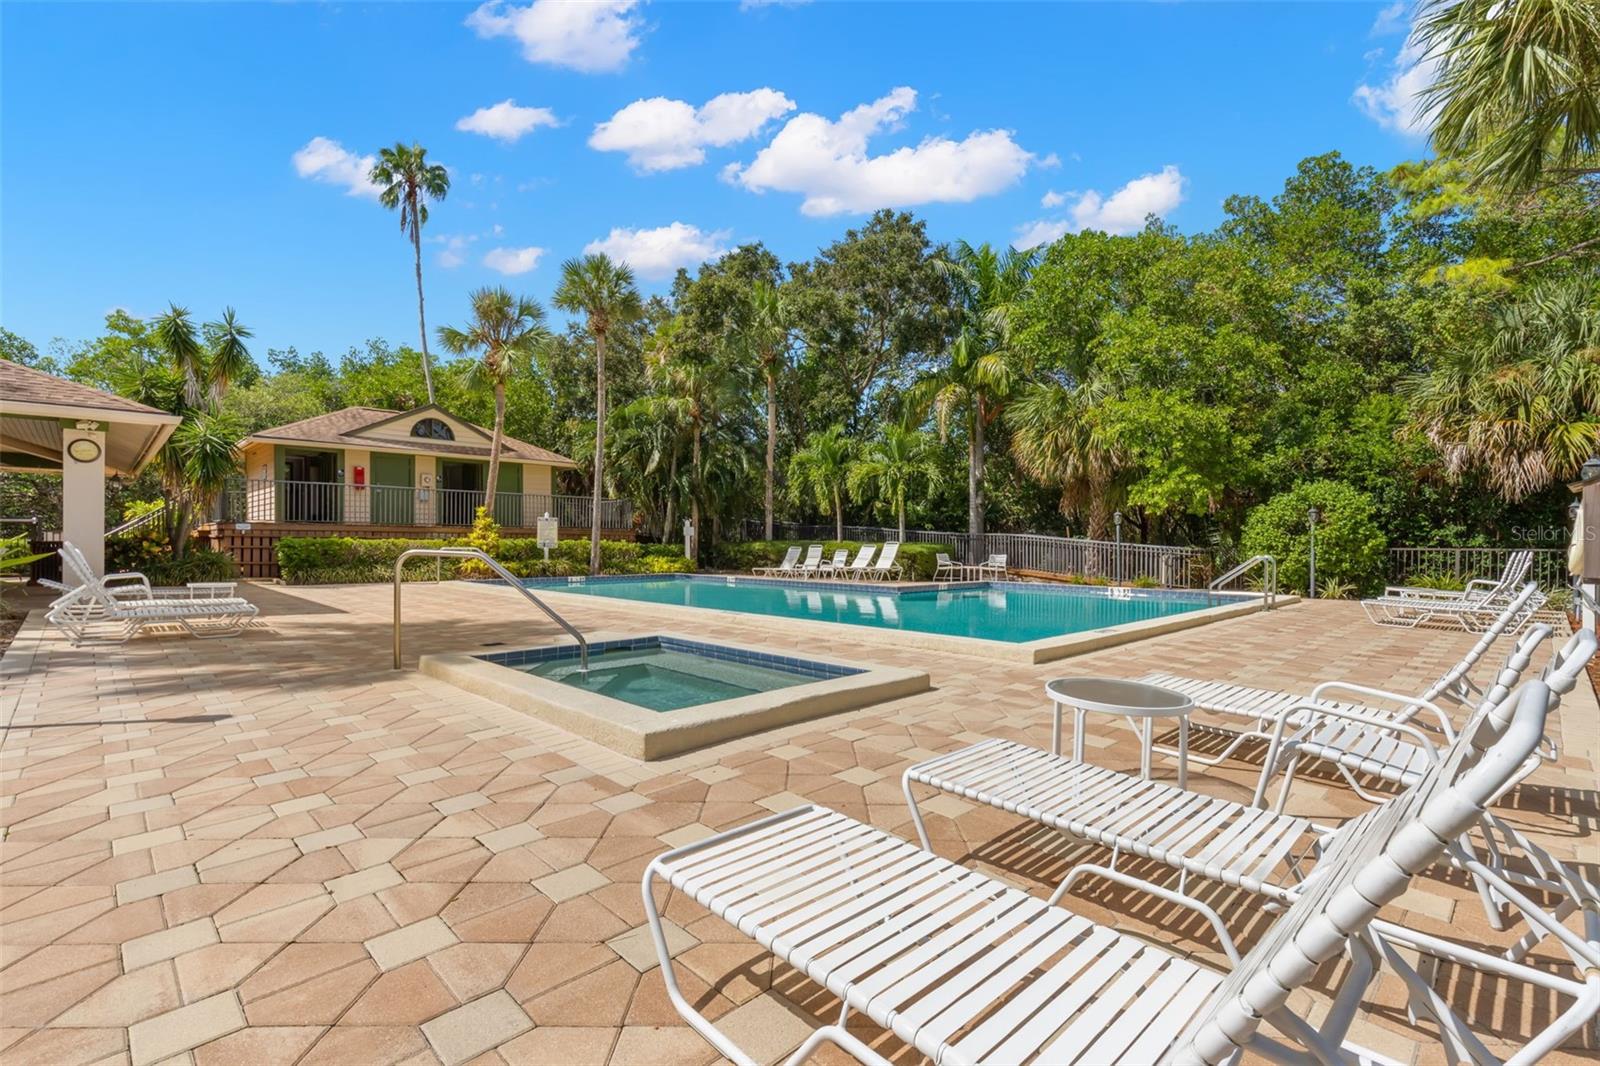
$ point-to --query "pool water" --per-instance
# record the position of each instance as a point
(1006, 611)
(663, 679)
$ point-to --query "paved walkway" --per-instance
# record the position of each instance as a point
(276, 849)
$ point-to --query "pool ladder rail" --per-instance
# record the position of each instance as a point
(1269, 579)
(506, 575)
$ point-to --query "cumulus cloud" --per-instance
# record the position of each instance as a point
(454, 250)
(1391, 19)
(663, 134)
(325, 160)
(1394, 100)
(828, 163)
(591, 36)
(1124, 211)
(506, 121)
(512, 260)
(658, 253)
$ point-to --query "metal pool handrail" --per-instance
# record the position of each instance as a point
(1269, 578)
(510, 579)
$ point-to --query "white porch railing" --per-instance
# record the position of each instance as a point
(337, 503)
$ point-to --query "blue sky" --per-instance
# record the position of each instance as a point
(202, 153)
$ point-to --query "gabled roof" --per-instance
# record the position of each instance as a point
(22, 384)
(34, 405)
(345, 428)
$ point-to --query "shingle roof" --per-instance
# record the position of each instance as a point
(21, 384)
(341, 427)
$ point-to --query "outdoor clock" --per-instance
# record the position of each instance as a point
(84, 450)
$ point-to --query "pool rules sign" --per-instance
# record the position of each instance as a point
(548, 531)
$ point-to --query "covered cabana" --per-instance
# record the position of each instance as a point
(49, 425)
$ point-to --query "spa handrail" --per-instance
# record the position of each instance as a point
(510, 579)
(1269, 578)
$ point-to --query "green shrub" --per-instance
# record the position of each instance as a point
(918, 560)
(1443, 582)
(341, 560)
(1350, 547)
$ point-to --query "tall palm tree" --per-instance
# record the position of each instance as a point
(901, 460)
(1515, 87)
(408, 181)
(978, 371)
(506, 329)
(767, 316)
(1057, 439)
(1524, 405)
(821, 468)
(604, 292)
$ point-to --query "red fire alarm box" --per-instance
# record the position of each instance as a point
(359, 476)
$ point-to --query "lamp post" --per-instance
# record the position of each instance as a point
(1311, 522)
(1116, 521)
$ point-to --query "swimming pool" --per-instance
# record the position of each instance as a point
(1006, 611)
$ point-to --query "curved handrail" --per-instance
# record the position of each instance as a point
(1269, 577)
(510, 579)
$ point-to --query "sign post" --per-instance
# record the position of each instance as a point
(548, 532)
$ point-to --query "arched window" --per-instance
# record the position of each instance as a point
(433, 428)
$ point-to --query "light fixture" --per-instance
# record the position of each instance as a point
(1590, 469)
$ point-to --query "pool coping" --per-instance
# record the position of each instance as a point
(1030, 652)
(644, 734)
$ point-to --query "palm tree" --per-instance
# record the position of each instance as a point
(190, 381)
(978, 371)
(1524, 405)
(506, 329)
(1514, 87)
(822, 469)
(899, 461)
(1057, 439)
(604, 292)
(766, 327)
(408, 182)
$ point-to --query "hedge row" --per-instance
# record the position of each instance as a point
(352, 560)
(916, 559)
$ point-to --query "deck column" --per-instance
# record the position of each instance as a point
(83, 492)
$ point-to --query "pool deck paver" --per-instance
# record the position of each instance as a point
(275, 849)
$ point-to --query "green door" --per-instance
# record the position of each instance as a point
(508, 495)
(393, 498)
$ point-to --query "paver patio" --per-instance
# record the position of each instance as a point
(276, 849)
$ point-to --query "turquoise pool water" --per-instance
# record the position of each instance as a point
(661, 679)
(1005, 611)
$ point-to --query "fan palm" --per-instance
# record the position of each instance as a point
(604, 293)
(1057, 439)
(1524, 405)
(766, 327)
(407, 182)
(899, 461)
(821, 469)
(506, 329)
(1516, 87)
(978, 370)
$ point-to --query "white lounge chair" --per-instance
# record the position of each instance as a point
(1471, 608)
(812, 565)
(993, 567)
(837, 566)
(790, 558)
(885, 567)
(88, 610)
(946, 568)
(131, 584)
(967, 969)
(861, 562)
(1258, 711)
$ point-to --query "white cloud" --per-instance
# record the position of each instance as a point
(1395, 101)
(506, 121)
(663, 134)
(512, 260)
(827, 162)
(591, 35)
(454, 252)
(1040, 231)
(658, 253)
(1391, 19)
(1124, 211)
(321, 159)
